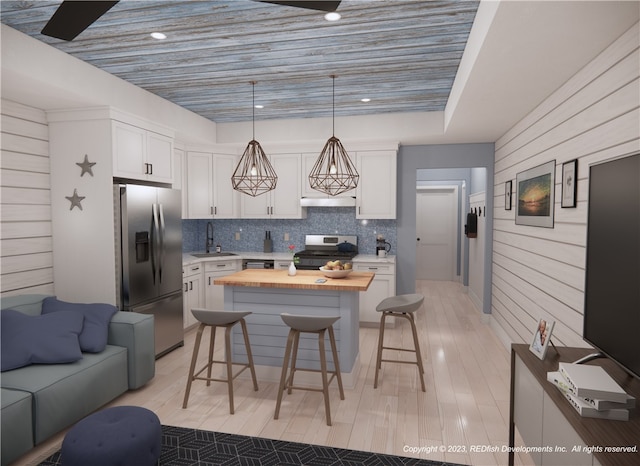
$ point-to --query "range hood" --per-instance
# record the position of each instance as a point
(347, 201)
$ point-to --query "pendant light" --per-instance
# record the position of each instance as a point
(334, 172)
(254, 174)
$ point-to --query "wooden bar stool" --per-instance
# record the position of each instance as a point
(400, 306)
(309, 324)
(226, 320)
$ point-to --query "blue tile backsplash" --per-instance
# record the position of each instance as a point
(319, 221)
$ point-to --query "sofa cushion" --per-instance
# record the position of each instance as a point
(17, 427)
(65, 393)
(30, 304)
(97, 316)
(45, 339)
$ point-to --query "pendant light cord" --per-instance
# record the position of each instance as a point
(253, 108)
(333, 129)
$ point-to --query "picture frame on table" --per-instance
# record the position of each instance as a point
(569, 183)
(542, 338)
(508, 187)
(535, 195)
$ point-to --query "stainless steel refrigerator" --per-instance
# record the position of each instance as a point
(149, 266)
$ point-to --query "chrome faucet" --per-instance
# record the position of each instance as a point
(209, 242)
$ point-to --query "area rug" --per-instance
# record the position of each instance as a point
(186, 447)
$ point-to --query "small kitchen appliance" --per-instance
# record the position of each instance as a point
(319, 249)
(382, 247)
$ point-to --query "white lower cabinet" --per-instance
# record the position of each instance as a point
(214, 294)
(192, 292)
(541, 424)
(382, 286)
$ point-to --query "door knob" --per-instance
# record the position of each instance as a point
(418, 239)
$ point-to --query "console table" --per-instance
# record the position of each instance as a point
(548, 423)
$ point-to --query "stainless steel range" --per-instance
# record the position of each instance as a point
(322, 248)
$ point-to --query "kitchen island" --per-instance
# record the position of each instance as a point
(269, 293)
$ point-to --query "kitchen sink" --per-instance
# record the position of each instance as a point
(214, 254)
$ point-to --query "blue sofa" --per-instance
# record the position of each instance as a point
(40, 400)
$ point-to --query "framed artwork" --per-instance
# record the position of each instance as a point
(569, 183)
(508, 186)
(542, 338)
(535, 195)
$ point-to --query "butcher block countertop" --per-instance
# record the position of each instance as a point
(303, 280)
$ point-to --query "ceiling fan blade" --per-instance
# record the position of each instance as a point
(320, 5)
(73, 17)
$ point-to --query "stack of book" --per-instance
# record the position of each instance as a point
(592, 392)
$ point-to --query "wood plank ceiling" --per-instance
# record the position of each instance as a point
(403, 55)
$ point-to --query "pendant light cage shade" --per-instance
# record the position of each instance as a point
(254, 174)
(333, 173)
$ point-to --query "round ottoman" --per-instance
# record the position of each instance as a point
(119, 436)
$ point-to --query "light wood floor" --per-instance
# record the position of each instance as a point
(466, 403)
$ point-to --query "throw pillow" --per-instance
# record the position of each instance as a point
(97, 316)
(44, 339)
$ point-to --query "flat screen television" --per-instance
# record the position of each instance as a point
(612, 289)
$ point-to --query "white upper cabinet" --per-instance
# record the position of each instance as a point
(180, 177)
(226, 201)
(200, 185)
(376, 191)
(284, 200)
(209, 190)
(141, 154)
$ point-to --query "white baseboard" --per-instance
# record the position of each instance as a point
(501, 334)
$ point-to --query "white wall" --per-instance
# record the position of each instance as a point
(477, 252)
(26, 241)
(540, 272)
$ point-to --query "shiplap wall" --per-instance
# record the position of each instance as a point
(25, 240)
(540, 272)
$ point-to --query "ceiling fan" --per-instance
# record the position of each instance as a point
(74, 16)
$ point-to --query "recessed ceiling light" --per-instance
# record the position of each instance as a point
(332, 16)
(259, 106)
(365, 100)
(158, 35)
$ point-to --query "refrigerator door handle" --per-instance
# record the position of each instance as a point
(161, 241)
(155, 243)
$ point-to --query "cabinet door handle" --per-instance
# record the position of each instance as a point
(373, 268)
(209, 280)
(211, 210)
(186, 287)
(215, 210)
(195, 269)
(150, 169)
(190, 286)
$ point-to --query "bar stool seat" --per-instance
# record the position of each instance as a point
(224, 319)
(309, 324)
(400, 306)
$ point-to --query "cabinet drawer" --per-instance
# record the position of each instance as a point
(190, 270)
(382, 269)
(215, 266)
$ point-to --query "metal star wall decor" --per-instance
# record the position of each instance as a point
(75, 200)
(86, 166)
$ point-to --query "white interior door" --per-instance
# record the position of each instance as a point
(435, 232)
